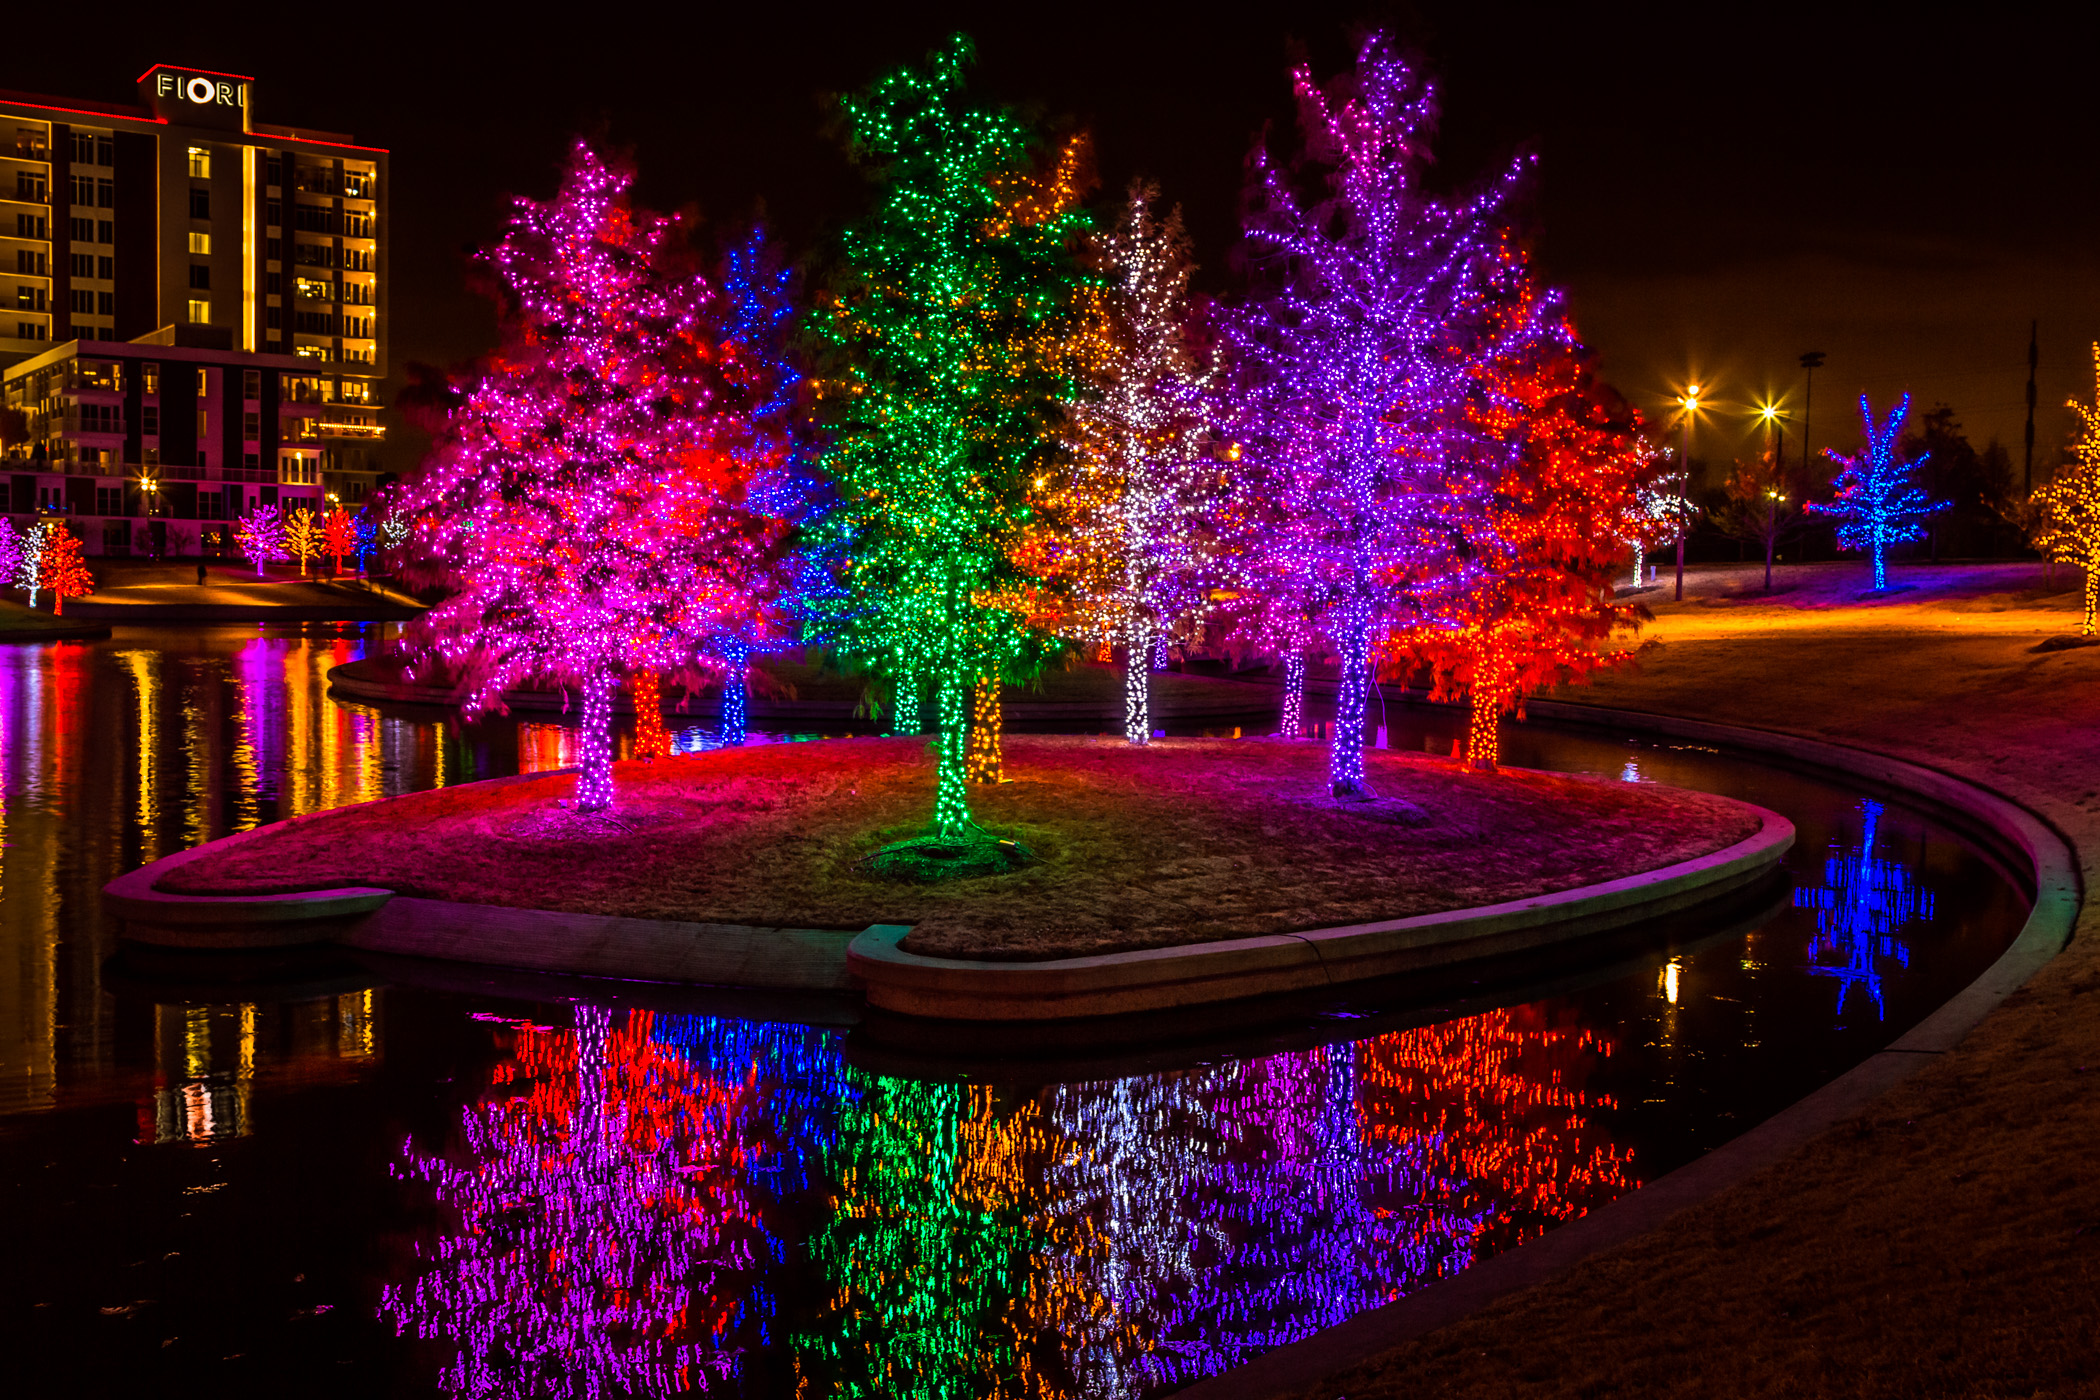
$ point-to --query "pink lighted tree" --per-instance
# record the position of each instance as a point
(260, 535)
(594, 505)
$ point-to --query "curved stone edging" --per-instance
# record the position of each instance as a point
(1299, 1365)
(1228, 970)
(230, 921)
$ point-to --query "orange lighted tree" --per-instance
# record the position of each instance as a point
(1534, 606)
(61, 569)
(302, 537)
(2067, 527)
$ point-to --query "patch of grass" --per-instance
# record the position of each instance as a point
(1183, 841)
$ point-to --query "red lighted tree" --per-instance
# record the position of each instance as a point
(61, 569)
(1534, 605)
(338, 535)
(590, 505)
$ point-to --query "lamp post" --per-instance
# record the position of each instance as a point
(1690, 404)
(1775, 442)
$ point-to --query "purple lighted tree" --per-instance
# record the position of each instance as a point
(595, 504)
(1356, 388)
(260, 535)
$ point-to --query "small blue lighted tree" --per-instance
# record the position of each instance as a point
(1878, 504)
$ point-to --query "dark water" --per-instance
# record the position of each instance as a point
(356, 1187)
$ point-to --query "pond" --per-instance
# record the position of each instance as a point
(427, 1182)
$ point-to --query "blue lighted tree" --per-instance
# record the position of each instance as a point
(1878, 504)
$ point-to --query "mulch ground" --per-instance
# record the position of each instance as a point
(1186, 841)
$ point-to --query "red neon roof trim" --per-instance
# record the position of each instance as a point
(82, 112)
(201, 72)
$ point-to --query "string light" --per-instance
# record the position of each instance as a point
(986, 759)
(1877, 503)
(29, 575)
(651, 739)
(1533, 606)
(338, 535)
(1120, 531)
(260, 535)
(61, 569)
(302, 537)
(734, 721)
(2068, 508)
(945, 330)
(1355, 375)
(607, 494)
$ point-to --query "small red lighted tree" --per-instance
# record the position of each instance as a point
(338, 535)
(61, 568)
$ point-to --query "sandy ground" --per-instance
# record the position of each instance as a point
(1186, 841)
(1948, 1242)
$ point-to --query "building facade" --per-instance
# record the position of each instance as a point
(192, 306)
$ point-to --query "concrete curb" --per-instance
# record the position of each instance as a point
(230, 921)
(598, 945)
(1229, 970)
(1301, 1364)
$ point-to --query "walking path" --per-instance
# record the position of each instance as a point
(1947, 1241)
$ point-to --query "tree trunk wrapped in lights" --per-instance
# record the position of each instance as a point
(604, 497)
(943, 336)
(2067, 509)
(987, 757)
(1293, 726)
(1354, 376)
(1877, 502)
(651, 740)
(1122, 528)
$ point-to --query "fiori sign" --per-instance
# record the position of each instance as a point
(196, 96)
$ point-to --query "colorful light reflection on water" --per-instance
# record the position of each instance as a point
(619, 1206)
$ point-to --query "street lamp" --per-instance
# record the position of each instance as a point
(1690, 404)
(1775, 437)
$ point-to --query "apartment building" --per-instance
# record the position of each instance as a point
(227, 254)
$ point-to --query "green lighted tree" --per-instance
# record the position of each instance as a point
(942, 337)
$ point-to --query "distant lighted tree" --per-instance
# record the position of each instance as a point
(1120, 531)
(1663, 510)
(364, 538)
(1355, 377)
(940, 337)
(2066, 511)
(28, 575)
(1878, 503)
(1761, 507)
(61, 568)
(10, 552)
(303, 536)
(261, 536)
(591, 506)
(338, 535)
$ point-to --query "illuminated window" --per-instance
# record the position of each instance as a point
(149, 372)
(200, 163)
(313, 352)
(200, 313)
(200, 243)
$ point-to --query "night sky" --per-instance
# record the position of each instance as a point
(1717, 193)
